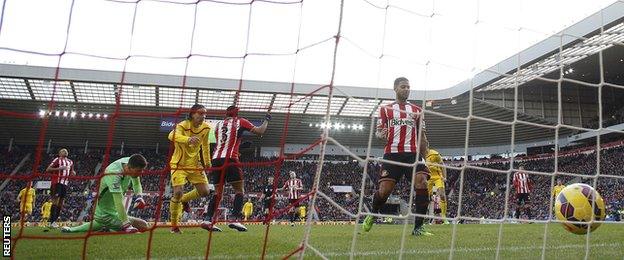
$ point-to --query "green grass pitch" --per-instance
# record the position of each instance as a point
(473, 241)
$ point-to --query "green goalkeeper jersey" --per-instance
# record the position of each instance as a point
(114, 184)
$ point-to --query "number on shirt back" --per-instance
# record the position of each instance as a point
(224, 133)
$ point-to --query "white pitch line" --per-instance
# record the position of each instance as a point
(409, 252)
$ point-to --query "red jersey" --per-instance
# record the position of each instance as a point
(228, 137)
(402, 122)
(62, 175)
(293, 186)
(436, 202)
(522, 183)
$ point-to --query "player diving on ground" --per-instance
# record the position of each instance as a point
(110, 213)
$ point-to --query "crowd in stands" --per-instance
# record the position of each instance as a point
(483, 193)
(84, 165)
(10, 159)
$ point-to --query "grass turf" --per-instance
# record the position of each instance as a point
(519, 241)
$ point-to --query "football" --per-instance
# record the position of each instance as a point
(574, 203)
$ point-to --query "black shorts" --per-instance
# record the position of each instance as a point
(266, 203)
(437, 211)
(293, 202)
(396, 172)
(523, 198)
(58, 190)
(233, 173)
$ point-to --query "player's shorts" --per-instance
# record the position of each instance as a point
(523, 198)
(59, 190)
(435, 182)
(179, 177)
(293, 202)
(437, 211)
(396, 172)
(27, 209)
(233, 173)
(45, 215)
(266, 203)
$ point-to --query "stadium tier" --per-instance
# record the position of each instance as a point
(481, 187)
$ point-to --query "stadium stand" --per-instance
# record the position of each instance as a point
(483, 190)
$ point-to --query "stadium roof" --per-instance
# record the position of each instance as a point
(565, 58)
(99, 87)
(598, 32)
(80, 89)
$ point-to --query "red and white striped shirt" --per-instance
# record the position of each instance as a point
(62, 174)
(522, 183)
(228, 136)
(436, 202)
(402, 122)
(293, 186)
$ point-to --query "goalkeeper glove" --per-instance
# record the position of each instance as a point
(139, 203)
(127, 228)
(267, 117)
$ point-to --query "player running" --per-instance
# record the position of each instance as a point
(558, 188)
(523, 186)
(436, 202)
(228, 135)
(247, 209)
(46, 208)
(293, 186)
(437, 180)
(302, 213)
(398, 125)
(26, 198)
(190, 138)
(63, 167)
(110, 213)
(266, 197)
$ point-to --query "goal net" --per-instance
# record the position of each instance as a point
(503, 87)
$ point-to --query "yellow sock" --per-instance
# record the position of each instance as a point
(175, 210)
(443, 208)
(191, 195)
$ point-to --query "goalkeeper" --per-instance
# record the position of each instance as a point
(110, 213)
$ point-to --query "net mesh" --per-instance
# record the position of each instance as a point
(336, 100)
